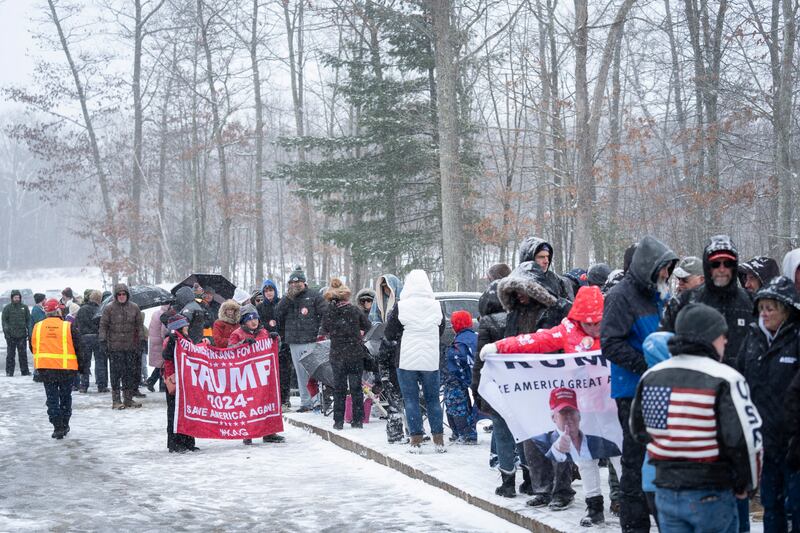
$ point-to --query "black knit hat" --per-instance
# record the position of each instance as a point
(39, 298)
(700, 323)
(297, 275)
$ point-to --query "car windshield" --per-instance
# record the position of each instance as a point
(451, 306)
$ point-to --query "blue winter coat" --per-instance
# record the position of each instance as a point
(632, 312)
(655, 351)
(461, 357)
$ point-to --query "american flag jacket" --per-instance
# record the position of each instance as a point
(700, 426)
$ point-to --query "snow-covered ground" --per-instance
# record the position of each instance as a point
(113, 472)
(54, 279)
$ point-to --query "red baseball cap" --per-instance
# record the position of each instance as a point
(563, 397)
(722, 254)
(51, 305)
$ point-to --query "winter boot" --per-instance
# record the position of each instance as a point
(438, 442)
(506, 490)
(415, 444)
(594, 512)
(128, 401)
(526, 487)
(116, 401)
(137, 394)
(274, 438)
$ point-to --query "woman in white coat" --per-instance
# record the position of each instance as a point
(416, 321)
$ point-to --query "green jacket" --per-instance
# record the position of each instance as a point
(16, 320)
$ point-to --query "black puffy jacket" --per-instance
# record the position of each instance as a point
(791, 405)
(732, 301)
(85, 321)
(300, 316)
(491, 328)
(769, 367)
(267, 314)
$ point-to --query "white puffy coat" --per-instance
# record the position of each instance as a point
(420, 314)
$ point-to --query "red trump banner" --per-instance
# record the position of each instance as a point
(227, 393)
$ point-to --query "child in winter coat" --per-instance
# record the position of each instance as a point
(460, 360)
(178, 326)
(227, 322)
(579, 332)
(345, 324)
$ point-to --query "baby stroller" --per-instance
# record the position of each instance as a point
(318, 365)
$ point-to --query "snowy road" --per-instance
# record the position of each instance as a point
(113, 472)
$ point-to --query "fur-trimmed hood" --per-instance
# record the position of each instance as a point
(526, 279)
(223, 309)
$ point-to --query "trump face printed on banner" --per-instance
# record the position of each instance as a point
(567, 441)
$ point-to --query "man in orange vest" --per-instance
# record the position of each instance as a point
(56, 354)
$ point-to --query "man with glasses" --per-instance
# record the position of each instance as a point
(689, 274)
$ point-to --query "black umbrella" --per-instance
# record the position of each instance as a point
(224, 289)
(145, 296)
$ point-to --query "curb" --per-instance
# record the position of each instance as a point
(505, 513)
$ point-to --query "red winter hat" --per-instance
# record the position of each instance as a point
(461, 320)
(563, 397)
(51, 305)
(588, 305)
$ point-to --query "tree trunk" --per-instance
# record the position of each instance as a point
(259, 139)
(452, 191)
(225, 207)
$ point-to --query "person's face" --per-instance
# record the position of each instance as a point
(296, 285)
(251, 324)
(523, 299)
(543, 259)
(751, 283)
(269, 294)
(386, 290)
(719, 345)
(663, 274)
(16, 298)
(568, 420)
(722, 272)
(366, 303)
(122, 297)
(689, 282)
(207, 297)
(593, 330)
(259, 299)
(772, 313)
(230, 312)
(185, 331)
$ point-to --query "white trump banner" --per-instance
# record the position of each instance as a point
(561, 401)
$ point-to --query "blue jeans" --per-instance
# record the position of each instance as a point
(504, 441)
(409, 381)
(779, 485)
(697, 511)
(743, 507)
(59, 401)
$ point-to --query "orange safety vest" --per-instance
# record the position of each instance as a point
(52, 345)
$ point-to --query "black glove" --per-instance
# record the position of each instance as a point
(250, 340)
(274, 335)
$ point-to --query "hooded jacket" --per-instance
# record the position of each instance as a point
(224, 326)
(266, 309)
(769, 366)
(121, 324)
(543, 311)
(554, 283)
(300, 316)
(791, 406)
(415, 321)
(461, 355)
(735, 303)
(728, 454)
(632, 310)
(16, 318)
(85, 321)
(763, 268)
(343, 324)
(383, 303)
(196, 314)
(491, 328)
(791, 262)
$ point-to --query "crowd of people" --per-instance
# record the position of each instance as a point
(712, 338)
